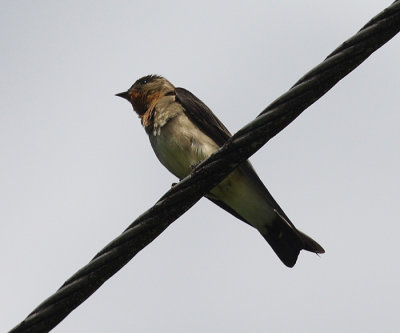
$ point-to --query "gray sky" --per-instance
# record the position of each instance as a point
(76, 166)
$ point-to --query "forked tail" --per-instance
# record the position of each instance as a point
(287, 241)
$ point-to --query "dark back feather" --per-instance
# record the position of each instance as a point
(202, 116)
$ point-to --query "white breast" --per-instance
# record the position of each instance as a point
(180, 145)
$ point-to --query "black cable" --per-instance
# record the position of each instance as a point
(209, 173)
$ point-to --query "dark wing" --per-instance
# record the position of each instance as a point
(208, 122)
(202, 116)
(289, 241)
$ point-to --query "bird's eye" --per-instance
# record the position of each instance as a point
(146, 79)
(143, 80)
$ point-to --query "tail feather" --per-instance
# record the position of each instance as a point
(310, 244)
(287, 241)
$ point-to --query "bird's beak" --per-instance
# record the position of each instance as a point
(124, 94)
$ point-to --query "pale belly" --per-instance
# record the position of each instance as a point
(180, 146)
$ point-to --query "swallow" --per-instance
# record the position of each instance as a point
(183, 131)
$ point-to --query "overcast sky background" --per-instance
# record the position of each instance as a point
(76, 166)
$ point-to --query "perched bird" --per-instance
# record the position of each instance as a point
(183, 131)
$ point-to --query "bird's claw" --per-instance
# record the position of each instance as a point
(194, 165)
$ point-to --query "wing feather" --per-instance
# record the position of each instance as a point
(207, 121)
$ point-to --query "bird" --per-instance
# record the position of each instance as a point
(183, 131)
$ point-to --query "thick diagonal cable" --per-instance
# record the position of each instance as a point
(210, 172)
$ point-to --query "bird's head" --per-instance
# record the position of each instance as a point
(146, 91)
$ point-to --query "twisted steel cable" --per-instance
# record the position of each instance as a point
(210, 172)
